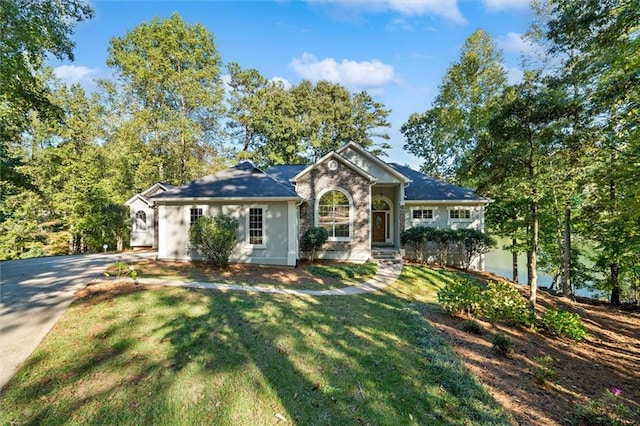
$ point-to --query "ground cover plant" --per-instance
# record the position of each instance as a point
(588, 376)
(134, 354)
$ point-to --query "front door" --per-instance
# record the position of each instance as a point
(379, 226)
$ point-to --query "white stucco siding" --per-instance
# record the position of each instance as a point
(174, 222)
(441, 217)
(141, 232)
(381, 175)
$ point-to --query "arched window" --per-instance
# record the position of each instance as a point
(141, 221)
(380, 204)
(334, 214)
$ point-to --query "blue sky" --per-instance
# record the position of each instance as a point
(396, 50)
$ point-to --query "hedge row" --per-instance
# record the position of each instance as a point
(467, 244)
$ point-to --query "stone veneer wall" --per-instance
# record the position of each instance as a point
(320, 178)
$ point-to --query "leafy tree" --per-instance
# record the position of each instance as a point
(514, 155)
(244, 104)
(174, 70)
(32, 29)
(214, 237)
(444, 134)
(312, 239)
(274, 124)
(605, 36)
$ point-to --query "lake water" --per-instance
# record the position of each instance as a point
(500, 263)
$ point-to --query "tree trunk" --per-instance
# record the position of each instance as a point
(514, 257)
(614, 267)
(615, 285)
(533, 255)
(567, 289)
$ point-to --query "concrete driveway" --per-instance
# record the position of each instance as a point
(34, 293)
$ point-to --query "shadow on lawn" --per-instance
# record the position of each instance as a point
(332, 360)
(199, 356)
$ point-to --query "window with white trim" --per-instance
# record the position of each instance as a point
(334, 214)
(140, 223)
(460, 214)
(422, 214)
(194, 215)
(255, 226)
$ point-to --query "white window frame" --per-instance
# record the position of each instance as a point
(137, 221)
(317, 211)
(423, 209)
(247, 232)
(199, 214)
(468, 210)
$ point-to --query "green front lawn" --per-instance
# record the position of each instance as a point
(173, 356)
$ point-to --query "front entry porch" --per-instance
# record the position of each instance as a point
(385, 220)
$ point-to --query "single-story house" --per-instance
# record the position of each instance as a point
(363, 202)
(144, 220)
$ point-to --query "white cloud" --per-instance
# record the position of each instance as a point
(514, 75)
(500, 5)
(447, 9)
(285, 83)
(514, 42)
(72, 74)
(355, 75)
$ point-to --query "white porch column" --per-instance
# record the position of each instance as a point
(292, 233)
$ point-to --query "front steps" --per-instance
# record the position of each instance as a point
(385, 255)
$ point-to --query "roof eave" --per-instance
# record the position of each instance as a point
(479, 201)
(239, 200)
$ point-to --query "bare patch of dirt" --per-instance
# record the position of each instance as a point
(233, 273)
(608, 358)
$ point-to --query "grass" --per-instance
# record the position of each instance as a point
(345, 272)
(172, 356)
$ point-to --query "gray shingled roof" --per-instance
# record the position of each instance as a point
(424, 187)
(241, 181)
(285, 172)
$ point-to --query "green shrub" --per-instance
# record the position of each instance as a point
(563, 324)
(502, 343)
(313, 239)
(471, 244)
(214, 238)
(462, 295)
(543, 370)
(607, 410)
(472, 327)
(502, 302)
(417, 239)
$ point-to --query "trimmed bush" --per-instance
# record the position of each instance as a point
(502, 344)
(214, 238)
(313, 239)
(417, 239)
(502, 302)
(472, 327)
(563, 324)
(467, 243)
(543, 370)
(462, 295)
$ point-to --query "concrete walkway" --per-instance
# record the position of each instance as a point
(386, 275)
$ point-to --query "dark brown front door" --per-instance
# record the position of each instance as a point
(379, 226)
